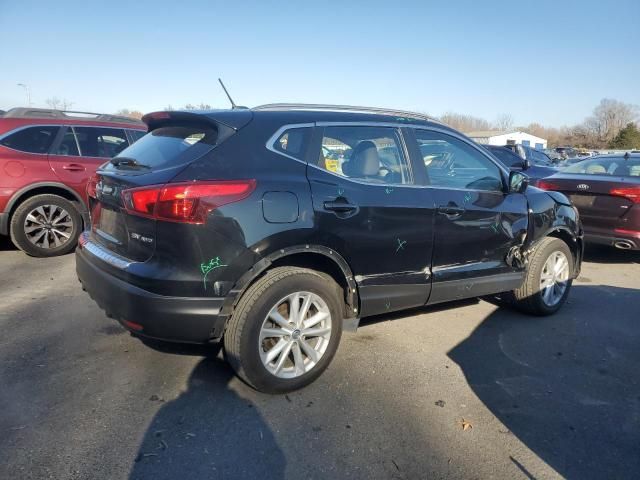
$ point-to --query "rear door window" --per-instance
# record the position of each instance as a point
(37, 139)
(169, 146)
(69, 145)
(100, 141)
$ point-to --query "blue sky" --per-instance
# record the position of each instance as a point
(544, 61)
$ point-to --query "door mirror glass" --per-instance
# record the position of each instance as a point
(518, 182)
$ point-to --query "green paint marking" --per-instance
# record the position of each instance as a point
(467, 197)
(388, 190)
(207, 268)
(340, 191)
(387, 304)
(401, 244)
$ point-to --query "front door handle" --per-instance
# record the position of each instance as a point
(450, 211)
(73, 167)
(340, 206)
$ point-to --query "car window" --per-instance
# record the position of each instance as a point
(294, 142)
(452, 163)
(32, 139)
(68, 146)
(368, 154)
(507, 157)
(616, 166)
(136, 134)
(100, 141)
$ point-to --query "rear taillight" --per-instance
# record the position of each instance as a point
(91, 186)
(185, 202)
(632, 193)
(547, 185)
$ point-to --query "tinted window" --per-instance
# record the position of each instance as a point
(617, 166)
(452, 163)
(540, 158)
(171, 146)
(68, 146)
(136, 135)
(32, 139)
(507, 157)
(100, 142)
(370, 154)
(294, 142)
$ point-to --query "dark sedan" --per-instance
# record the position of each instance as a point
(606, 191)
(511, 160)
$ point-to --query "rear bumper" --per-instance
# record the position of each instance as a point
(178, 319)
(615, 239)
(4, 224)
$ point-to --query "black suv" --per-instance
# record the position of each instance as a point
(235, 225)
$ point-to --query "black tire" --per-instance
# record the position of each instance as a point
(528, 298)
(241, 339)
(19, 236)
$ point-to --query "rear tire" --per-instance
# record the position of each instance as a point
(46, 226)
(252, 337)
(548, 279)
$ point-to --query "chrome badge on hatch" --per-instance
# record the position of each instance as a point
(582, 186)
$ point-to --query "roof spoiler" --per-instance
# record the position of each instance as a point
(233, 119)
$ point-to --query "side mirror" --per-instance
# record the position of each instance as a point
(518, 182)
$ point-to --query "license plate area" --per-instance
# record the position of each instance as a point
(583, 200)
(111, 226)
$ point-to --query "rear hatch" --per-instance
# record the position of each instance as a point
(125, 190)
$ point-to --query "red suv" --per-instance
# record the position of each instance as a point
(46, 159)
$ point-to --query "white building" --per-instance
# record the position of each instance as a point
(496, 137)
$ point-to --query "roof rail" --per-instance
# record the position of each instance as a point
(345, 108)
(66, 114)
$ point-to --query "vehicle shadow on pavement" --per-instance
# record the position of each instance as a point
(6, 244)
(610, 255)
(208, 431)
(565, 385)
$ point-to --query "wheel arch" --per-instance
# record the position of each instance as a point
(315, 257)
(573, 242)
(42, 188)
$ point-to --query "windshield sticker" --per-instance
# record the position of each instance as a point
(207, 268)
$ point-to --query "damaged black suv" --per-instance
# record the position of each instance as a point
(275, 228)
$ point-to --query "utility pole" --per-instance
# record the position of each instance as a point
(27, 91)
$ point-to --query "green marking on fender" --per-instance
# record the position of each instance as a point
(207, 268)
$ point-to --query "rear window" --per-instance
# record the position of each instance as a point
(170, 146)
(615, 166)
(31, 139)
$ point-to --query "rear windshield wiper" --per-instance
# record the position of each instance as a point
(127, 162)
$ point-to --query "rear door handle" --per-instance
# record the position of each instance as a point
(339, 206)
(450, 211)
(73, 167)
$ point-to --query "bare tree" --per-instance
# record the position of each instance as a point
(57, 104)
(125, 112)
(464, 123)
(504, 122)
(608, 118)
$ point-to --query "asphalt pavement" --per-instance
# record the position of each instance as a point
(461, 391)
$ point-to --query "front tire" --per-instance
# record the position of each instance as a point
(548, 279)
(285, 329)
(46, 226)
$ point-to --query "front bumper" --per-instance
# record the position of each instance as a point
(177, 319)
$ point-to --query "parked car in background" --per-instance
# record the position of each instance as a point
(606, 191)
(536, 157)
(46, 159)
(231, 225)
(516, 163)
(566, 152)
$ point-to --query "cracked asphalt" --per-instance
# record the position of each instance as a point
(555, 397)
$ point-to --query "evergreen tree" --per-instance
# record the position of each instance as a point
(628, 137)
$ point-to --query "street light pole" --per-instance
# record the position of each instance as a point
(27, 91)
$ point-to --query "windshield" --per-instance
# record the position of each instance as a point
(167, 147)
(617, 166)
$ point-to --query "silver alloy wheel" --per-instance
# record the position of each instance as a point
(295, 335)
(554, 278)
(48, 226)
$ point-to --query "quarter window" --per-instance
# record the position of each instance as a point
(294, 142)
(32, 139)
(452, 163)
(136, 135)
(100, 141)
(369, 154)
